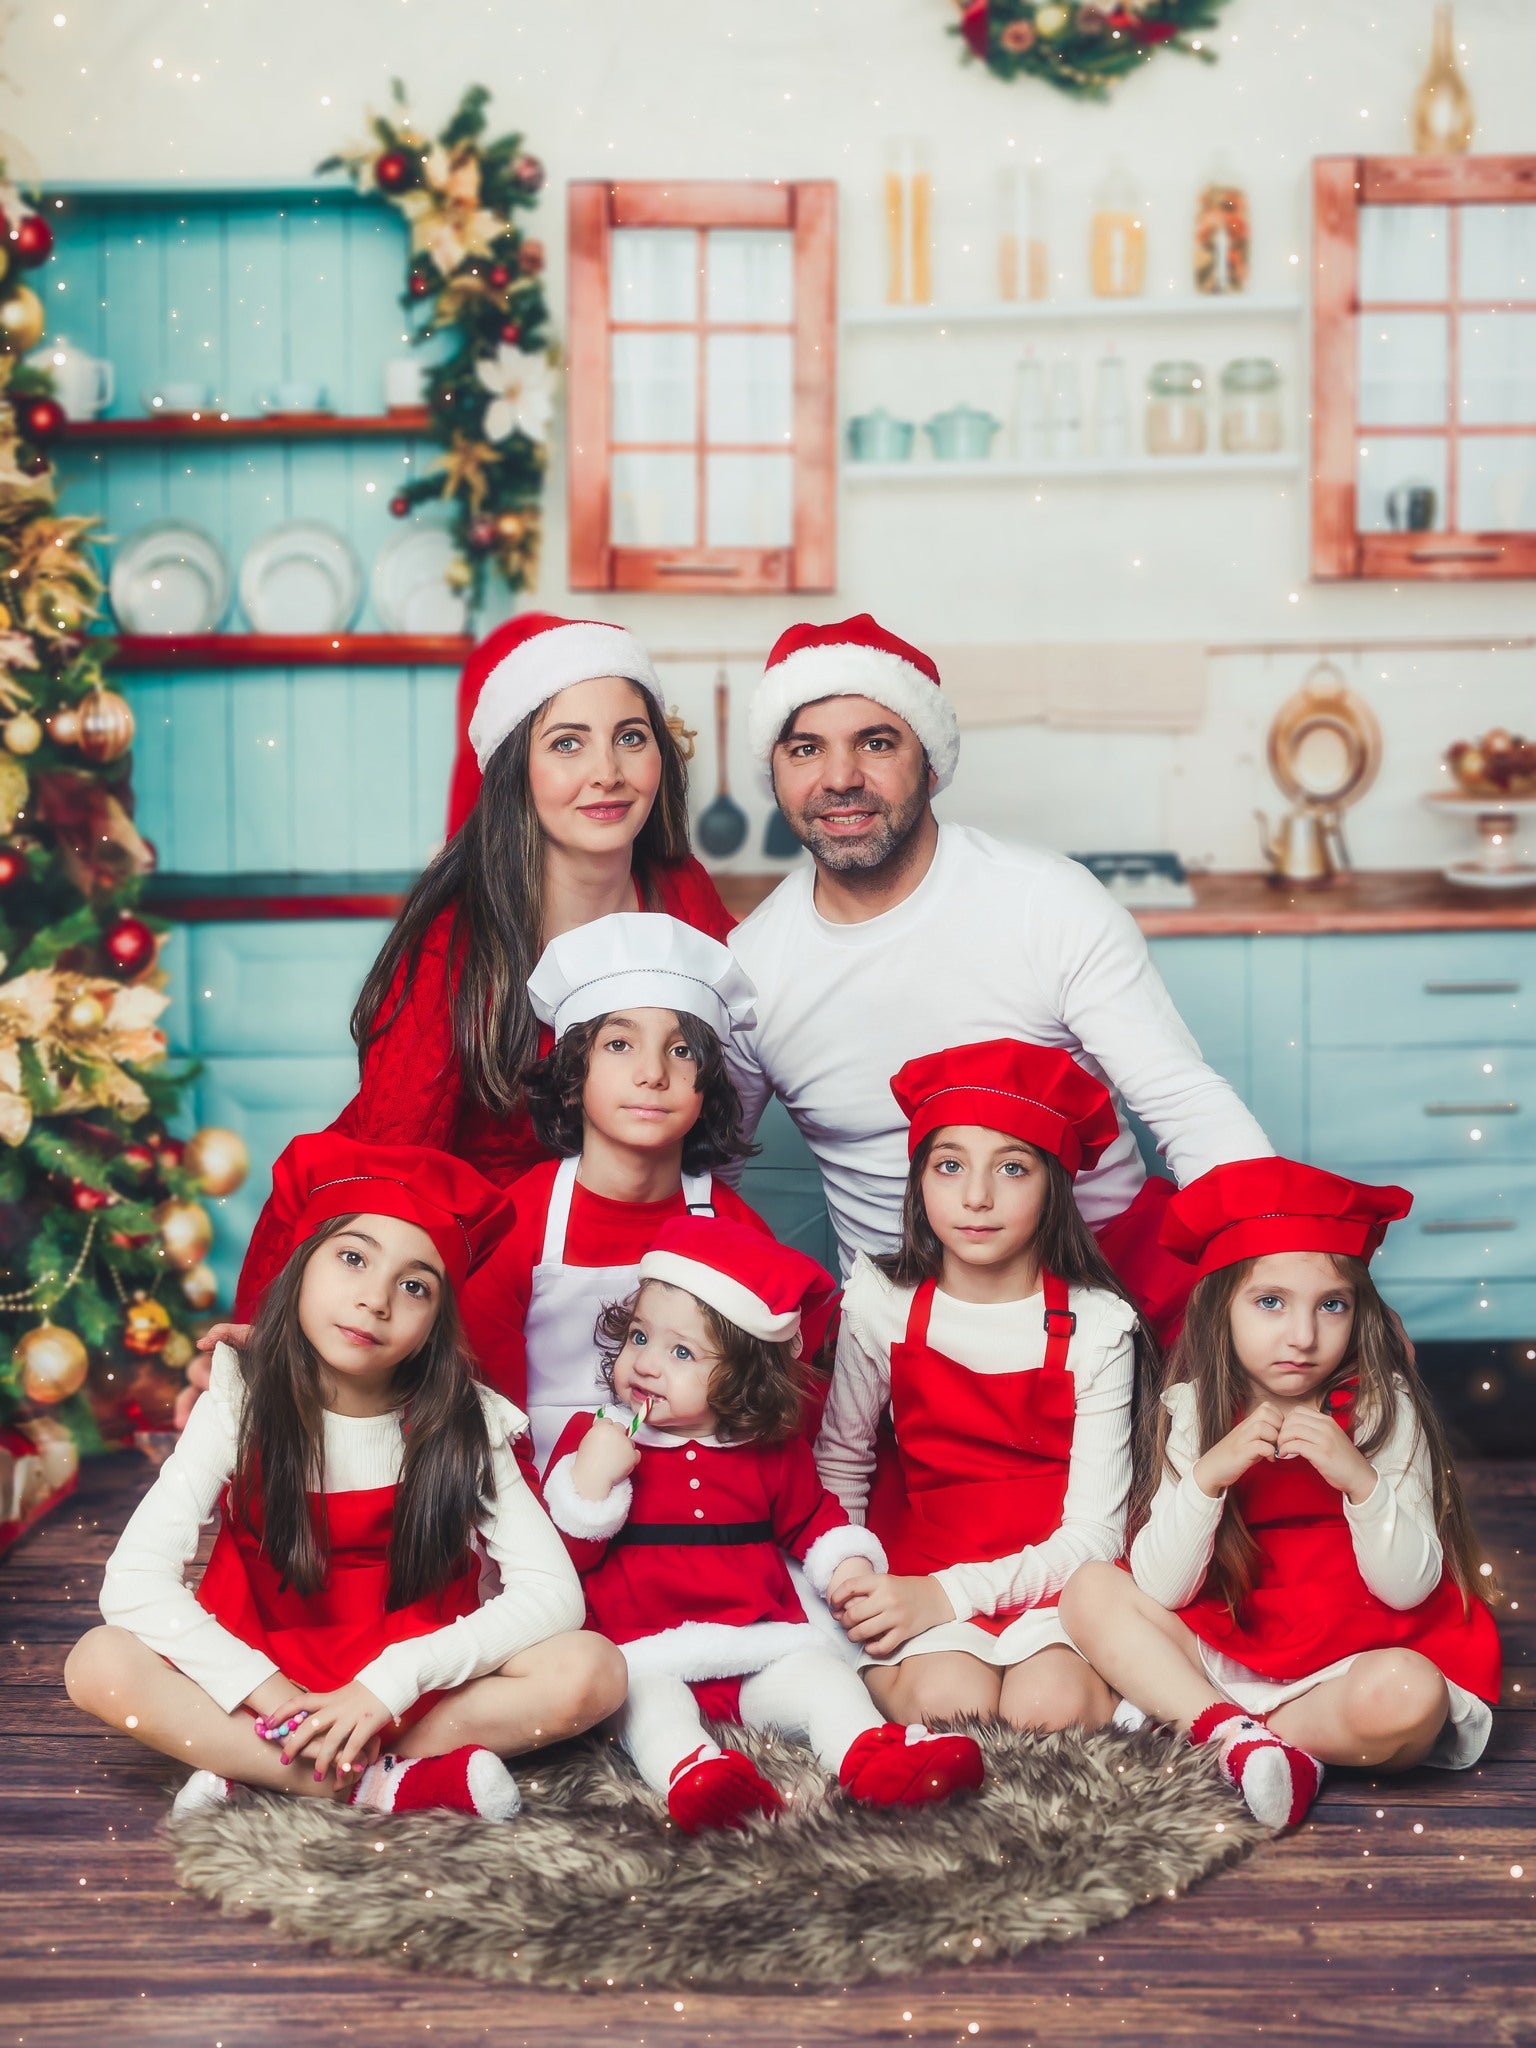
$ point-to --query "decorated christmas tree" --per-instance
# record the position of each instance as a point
(103, 1241)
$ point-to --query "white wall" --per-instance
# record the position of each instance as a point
(261, 89)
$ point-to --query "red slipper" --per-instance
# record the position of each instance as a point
(897, 1766)
(719, 1791)
(467, 1780)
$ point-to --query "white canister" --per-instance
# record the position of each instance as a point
(84, 385)
(405, 384)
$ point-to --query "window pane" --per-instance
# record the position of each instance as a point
(751, 387)
(1498, 252)
(751, 501)
(655, 501)
(655, 274)
(1498, 484)
(1403, 252)
(653, 387)
(751, 275)
(1400, 485)
(1402, 369)
(1498, 369)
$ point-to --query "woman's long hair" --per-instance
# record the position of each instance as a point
(491, 874)
(280, 1455)
(1377, 1361)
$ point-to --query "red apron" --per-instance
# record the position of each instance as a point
(322, 1640)
(1309, 1606)
(983, 1456)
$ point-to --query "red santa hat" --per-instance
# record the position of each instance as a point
(645, 958)
(1036, 1093)
(520, 665)
(323, 1174)
(1254, 1206)
(854, 658)
(760, 1285)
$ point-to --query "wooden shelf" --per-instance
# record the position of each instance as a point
(260, 898)
(1061, 312)
(285, 650)
(1141, 468)
(267, 426)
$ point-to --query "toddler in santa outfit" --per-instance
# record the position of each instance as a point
(363, 1482)
(1005, 1350)
(1304, 1575)
(682, 1508)
(635, 1102)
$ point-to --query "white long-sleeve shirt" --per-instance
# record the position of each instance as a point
(991, 1338)
(1393, 1529)
(145, 1591)
(995, 942)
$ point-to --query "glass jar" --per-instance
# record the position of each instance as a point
(1022, 262)
(1176, 408)
(908, 225)
(1117, 253)
(1250, 406)
(1221, 232)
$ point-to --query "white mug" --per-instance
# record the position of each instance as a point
(405, 383)
(84, 385)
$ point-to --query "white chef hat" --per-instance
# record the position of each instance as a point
(645, 959)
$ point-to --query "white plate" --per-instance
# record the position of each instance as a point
(1471, 874)
(170, 578)
(301, 578)
(409, 584)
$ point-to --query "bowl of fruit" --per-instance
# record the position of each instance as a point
(1500, 764)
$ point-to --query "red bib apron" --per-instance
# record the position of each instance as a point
(983, 1456)
(322, 1640)
(1309, 1605)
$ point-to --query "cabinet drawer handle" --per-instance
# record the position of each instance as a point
(1471, 1109)
(1472, 988)
(1447, 1229)
(1455, 554)
(698, 568)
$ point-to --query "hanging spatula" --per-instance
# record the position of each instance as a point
(722, 830)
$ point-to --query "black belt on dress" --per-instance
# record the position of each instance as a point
(695, 1532)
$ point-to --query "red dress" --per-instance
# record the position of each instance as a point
(412, 1092)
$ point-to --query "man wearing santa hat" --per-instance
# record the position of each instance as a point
(906, 936)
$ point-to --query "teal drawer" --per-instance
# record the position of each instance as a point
(1451, 1103)
(279, 988)
(1466, 1224)
(1208, 980)
(1451, 1311)
(1431, 988)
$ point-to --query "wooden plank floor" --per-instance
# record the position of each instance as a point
(1393, 1917)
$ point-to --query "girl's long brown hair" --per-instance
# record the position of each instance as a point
(280, 1455)
(1377, 1360)
(491, 874)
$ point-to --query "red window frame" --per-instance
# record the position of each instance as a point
(808, 210)
(1340, 187)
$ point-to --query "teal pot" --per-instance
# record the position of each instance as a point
(879, 437)
(963, 434)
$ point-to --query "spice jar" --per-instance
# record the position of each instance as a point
(1176, 408)
(1221, 233)
(1250, 406)
(1117, 252)
(908, 225)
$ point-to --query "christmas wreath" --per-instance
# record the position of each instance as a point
(1080, 47)
(477, 278)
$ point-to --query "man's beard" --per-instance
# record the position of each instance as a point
(886, 847)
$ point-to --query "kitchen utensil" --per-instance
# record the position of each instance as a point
(779, 842)
(169, 578)
(302, 577)
(722, 830)
(84, 385)
(879, 436)
(1411, 508)
(409, 585)
(963, 434)
(1324, 752)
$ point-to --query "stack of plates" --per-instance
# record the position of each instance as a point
(410, 590)
(301, 577)
(170, 578)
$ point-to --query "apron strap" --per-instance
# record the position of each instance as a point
(1060, 1322)
(559, 1215)
(919, 1312)
(699, 1194)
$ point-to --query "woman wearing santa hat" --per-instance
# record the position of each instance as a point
(568, 801)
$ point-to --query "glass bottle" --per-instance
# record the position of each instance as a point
(908, 225)
(1250, 406)
(1118, 238)
(1442, 106)
(1111, 410)
(1028, 423)
(1066, 425)
(1221, 231)
(1023, 270)
(1176, 408)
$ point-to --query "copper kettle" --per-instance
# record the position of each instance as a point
(1324, 751)
(1306, 847)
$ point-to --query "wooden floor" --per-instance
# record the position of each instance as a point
(1394, 1916)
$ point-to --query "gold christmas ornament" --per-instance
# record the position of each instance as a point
(52, 1363)
(14, 791)
(218, 1159)
(186, 1233)
(85, 1015)
(21, 322)
(22, 734)
(200, 1287)
(178, 1351)
(106, 726)
(64, 727)
(146, 1326)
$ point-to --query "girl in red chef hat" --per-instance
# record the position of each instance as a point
(683, 1507)
(1304, 1576)
(361, 1477)
(1005, 1350)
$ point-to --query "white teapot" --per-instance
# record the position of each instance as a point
(83, 384)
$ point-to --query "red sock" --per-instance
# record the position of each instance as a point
(897, 1766)
(466, 1780)
(1278, 1781)
(719, 1791)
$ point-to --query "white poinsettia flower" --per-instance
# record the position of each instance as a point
(522, 393)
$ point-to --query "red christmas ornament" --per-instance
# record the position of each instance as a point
(169, 1151)
(13, 866)
(482, 534)
(394, 171)
(139, 1160)
(511, 334)
(130, 945)
(498, 277)
(530, 258)
(399, 506)
(84, 1198)
(33, 242)
(528, 172)
(420, 284)
(42, 419)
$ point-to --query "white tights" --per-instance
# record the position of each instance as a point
(812, 1694)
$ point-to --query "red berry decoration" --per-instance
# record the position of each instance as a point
(498, 277)
(399, 506)
(42, 419)
(84, 1198)
(511, 334)
(139, 1160)
(130, 945)
(394, 171)
(529, 173)
(420, 284)
(530, 258)
(13, 865)
(170, 1151)
(34, 241)
(482, 534)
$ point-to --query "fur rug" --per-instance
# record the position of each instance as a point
(591, 1885)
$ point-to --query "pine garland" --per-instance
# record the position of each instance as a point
(1079, 47)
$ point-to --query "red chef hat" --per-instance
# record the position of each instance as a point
(1254, 1206)
(520, 665)
(1034, 1092)
(854, 658)
(322, 1175)
(760, 1285)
